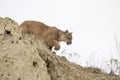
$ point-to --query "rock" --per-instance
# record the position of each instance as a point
(19, 57)
(25, 57)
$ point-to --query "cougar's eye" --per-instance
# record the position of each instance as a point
(68, 38)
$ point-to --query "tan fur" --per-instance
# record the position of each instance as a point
(51, 35)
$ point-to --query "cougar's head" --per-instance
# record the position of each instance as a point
(67, 37)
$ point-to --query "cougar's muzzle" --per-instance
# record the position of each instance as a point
(68, 43)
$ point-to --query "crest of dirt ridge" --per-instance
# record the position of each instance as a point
(25, 57)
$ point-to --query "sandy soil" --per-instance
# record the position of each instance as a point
(25, 57)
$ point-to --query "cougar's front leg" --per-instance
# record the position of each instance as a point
(56, 44)
(52, 44)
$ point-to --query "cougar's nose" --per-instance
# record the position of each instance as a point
(68, 43)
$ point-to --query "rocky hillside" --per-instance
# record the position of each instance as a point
(24, 57)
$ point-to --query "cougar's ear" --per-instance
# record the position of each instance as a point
(71, 32)
(66, 31)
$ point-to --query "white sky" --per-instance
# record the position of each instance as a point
(94, 23)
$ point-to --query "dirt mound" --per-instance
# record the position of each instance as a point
(24, 57)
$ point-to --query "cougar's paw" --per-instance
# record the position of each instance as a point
(57, 48)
